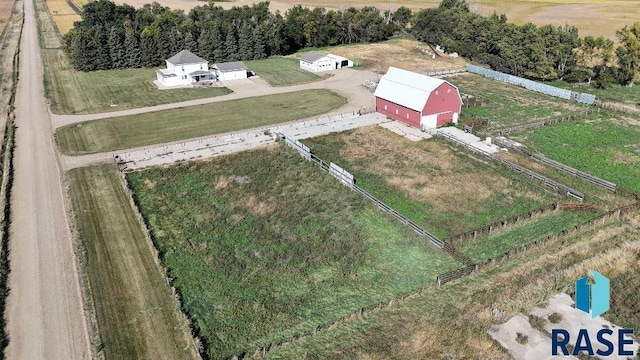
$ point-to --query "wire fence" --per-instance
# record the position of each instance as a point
(583, 98)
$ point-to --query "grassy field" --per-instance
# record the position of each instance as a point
(264, 246)
(429, 182)
(492, 246)
(137, 316)
(75, 92)
(452, 322)
(601, 145)
(280, 71)
(621, 94)
(49, 37)
(194, 121)
(509, 105)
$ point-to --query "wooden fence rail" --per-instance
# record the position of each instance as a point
(504, 142)
(571, 192)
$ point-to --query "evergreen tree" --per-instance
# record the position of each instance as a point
(219, 53)
(245, 43)
(149, 49)
(84, 53)
(175, 41)
(190, 43)
(231, 46)
(116, 49)
(133, 53)
(102, 58)
(258, 44)
(206, 45)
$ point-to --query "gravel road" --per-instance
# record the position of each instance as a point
(45, 316)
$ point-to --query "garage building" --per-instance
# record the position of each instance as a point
(315, 62)
(231, 70)
(417, 100)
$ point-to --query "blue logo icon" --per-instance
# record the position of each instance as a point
(593, 298)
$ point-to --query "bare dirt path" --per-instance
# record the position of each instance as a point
(346, 82)
(45, 316)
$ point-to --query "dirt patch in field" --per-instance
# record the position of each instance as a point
(427, 171)
(402, 53)
(257, 207)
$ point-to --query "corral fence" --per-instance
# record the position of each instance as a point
(569, 191)
(548, 122)
(583, 98)
(436, 73)
(504, 142)
(348, 180)
(591, 224)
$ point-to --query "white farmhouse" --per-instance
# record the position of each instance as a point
(233, 70)
(315, 62)
(185, 68)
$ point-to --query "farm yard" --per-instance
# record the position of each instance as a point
(194, 121)
(136, 314)
(375, 57)
(281, 71)
(429, 182)
(74, 92)
(305, 249)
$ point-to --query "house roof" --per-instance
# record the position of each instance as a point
(311, 57)
(185, 57)
(199, 73)
(406, 88)
(231, 66)
(165, 73)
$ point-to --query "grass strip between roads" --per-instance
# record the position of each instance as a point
(194, 121)
(136, 314)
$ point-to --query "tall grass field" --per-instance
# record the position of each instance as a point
(263, 246)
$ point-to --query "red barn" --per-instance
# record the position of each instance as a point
(417, 100)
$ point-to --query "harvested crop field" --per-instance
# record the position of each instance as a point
(434, 185)
(264, 246)
(63, 15)
(5, 13)
(591, 17)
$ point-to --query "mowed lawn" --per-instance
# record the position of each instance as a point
(439, 188)
(264, 246)
(194, 121)
(137, 316)
(601, 145)
(77, 92)
(281, 71)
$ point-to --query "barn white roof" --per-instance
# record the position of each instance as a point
(406, 88)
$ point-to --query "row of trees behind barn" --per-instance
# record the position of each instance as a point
(111, 36)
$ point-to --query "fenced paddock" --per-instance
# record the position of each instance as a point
(571, 192)
(583, 98)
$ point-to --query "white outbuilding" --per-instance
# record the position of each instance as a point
(314, 62)
(234, 70)
(183, 69)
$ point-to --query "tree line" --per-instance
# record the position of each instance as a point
(111, 36)
(539, 52)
